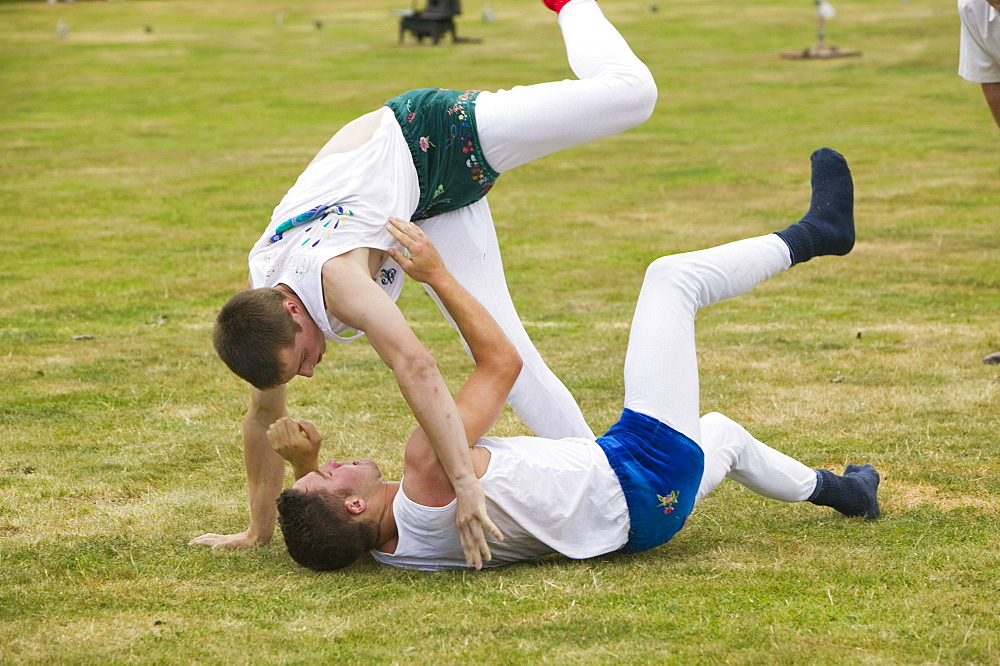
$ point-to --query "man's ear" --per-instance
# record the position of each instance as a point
(355, 505)
(292, 306)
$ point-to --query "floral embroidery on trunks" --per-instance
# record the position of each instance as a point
(440, 128)
(668, 501)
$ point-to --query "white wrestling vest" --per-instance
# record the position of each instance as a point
(370, 183)
(545, 496)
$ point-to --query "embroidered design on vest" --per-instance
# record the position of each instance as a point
(387, 276)
(319, 213)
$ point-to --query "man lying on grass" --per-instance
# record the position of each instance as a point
(630, 490)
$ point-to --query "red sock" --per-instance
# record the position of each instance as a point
(555, 5)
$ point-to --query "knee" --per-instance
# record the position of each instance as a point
(712, 422)
(670, 269)
(719, 432)
(712, 417)
(628, 91)
(642, 95)
(716, 438)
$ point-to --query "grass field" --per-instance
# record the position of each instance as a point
(141, 155)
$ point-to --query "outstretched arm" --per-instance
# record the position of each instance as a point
(482, 397)
(265, 472)
(358, 302)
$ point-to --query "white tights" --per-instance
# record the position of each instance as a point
(614, 92)
(467, 242)
(731, 452)
(661, 366)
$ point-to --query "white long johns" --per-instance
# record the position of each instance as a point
(467, 242)
(661, 365)
(732, 452)
(615, 91)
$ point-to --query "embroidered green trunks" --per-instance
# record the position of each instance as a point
(440, 128)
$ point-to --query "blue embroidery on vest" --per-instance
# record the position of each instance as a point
(387, 276)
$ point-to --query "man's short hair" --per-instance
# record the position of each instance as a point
(250, 332)
(320, 533)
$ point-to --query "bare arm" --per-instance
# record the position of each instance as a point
(265, 472)
(483, 396)
(358, 302)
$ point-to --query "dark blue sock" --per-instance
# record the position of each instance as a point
(828, 227)
(852, 494)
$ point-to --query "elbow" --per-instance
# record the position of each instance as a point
(513, 365)
(502, 365)
(418, 366)
(516, 364)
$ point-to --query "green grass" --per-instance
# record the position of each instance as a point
(137, 168)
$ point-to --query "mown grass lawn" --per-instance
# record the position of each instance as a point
(141, 155)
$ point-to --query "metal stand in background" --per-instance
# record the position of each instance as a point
(824, 11)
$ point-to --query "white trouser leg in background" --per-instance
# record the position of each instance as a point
(661, 366)
(732, 452)
(614, 92)
(467, 241)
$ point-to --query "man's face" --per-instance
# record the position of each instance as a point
(362, 478)
(303, 357)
